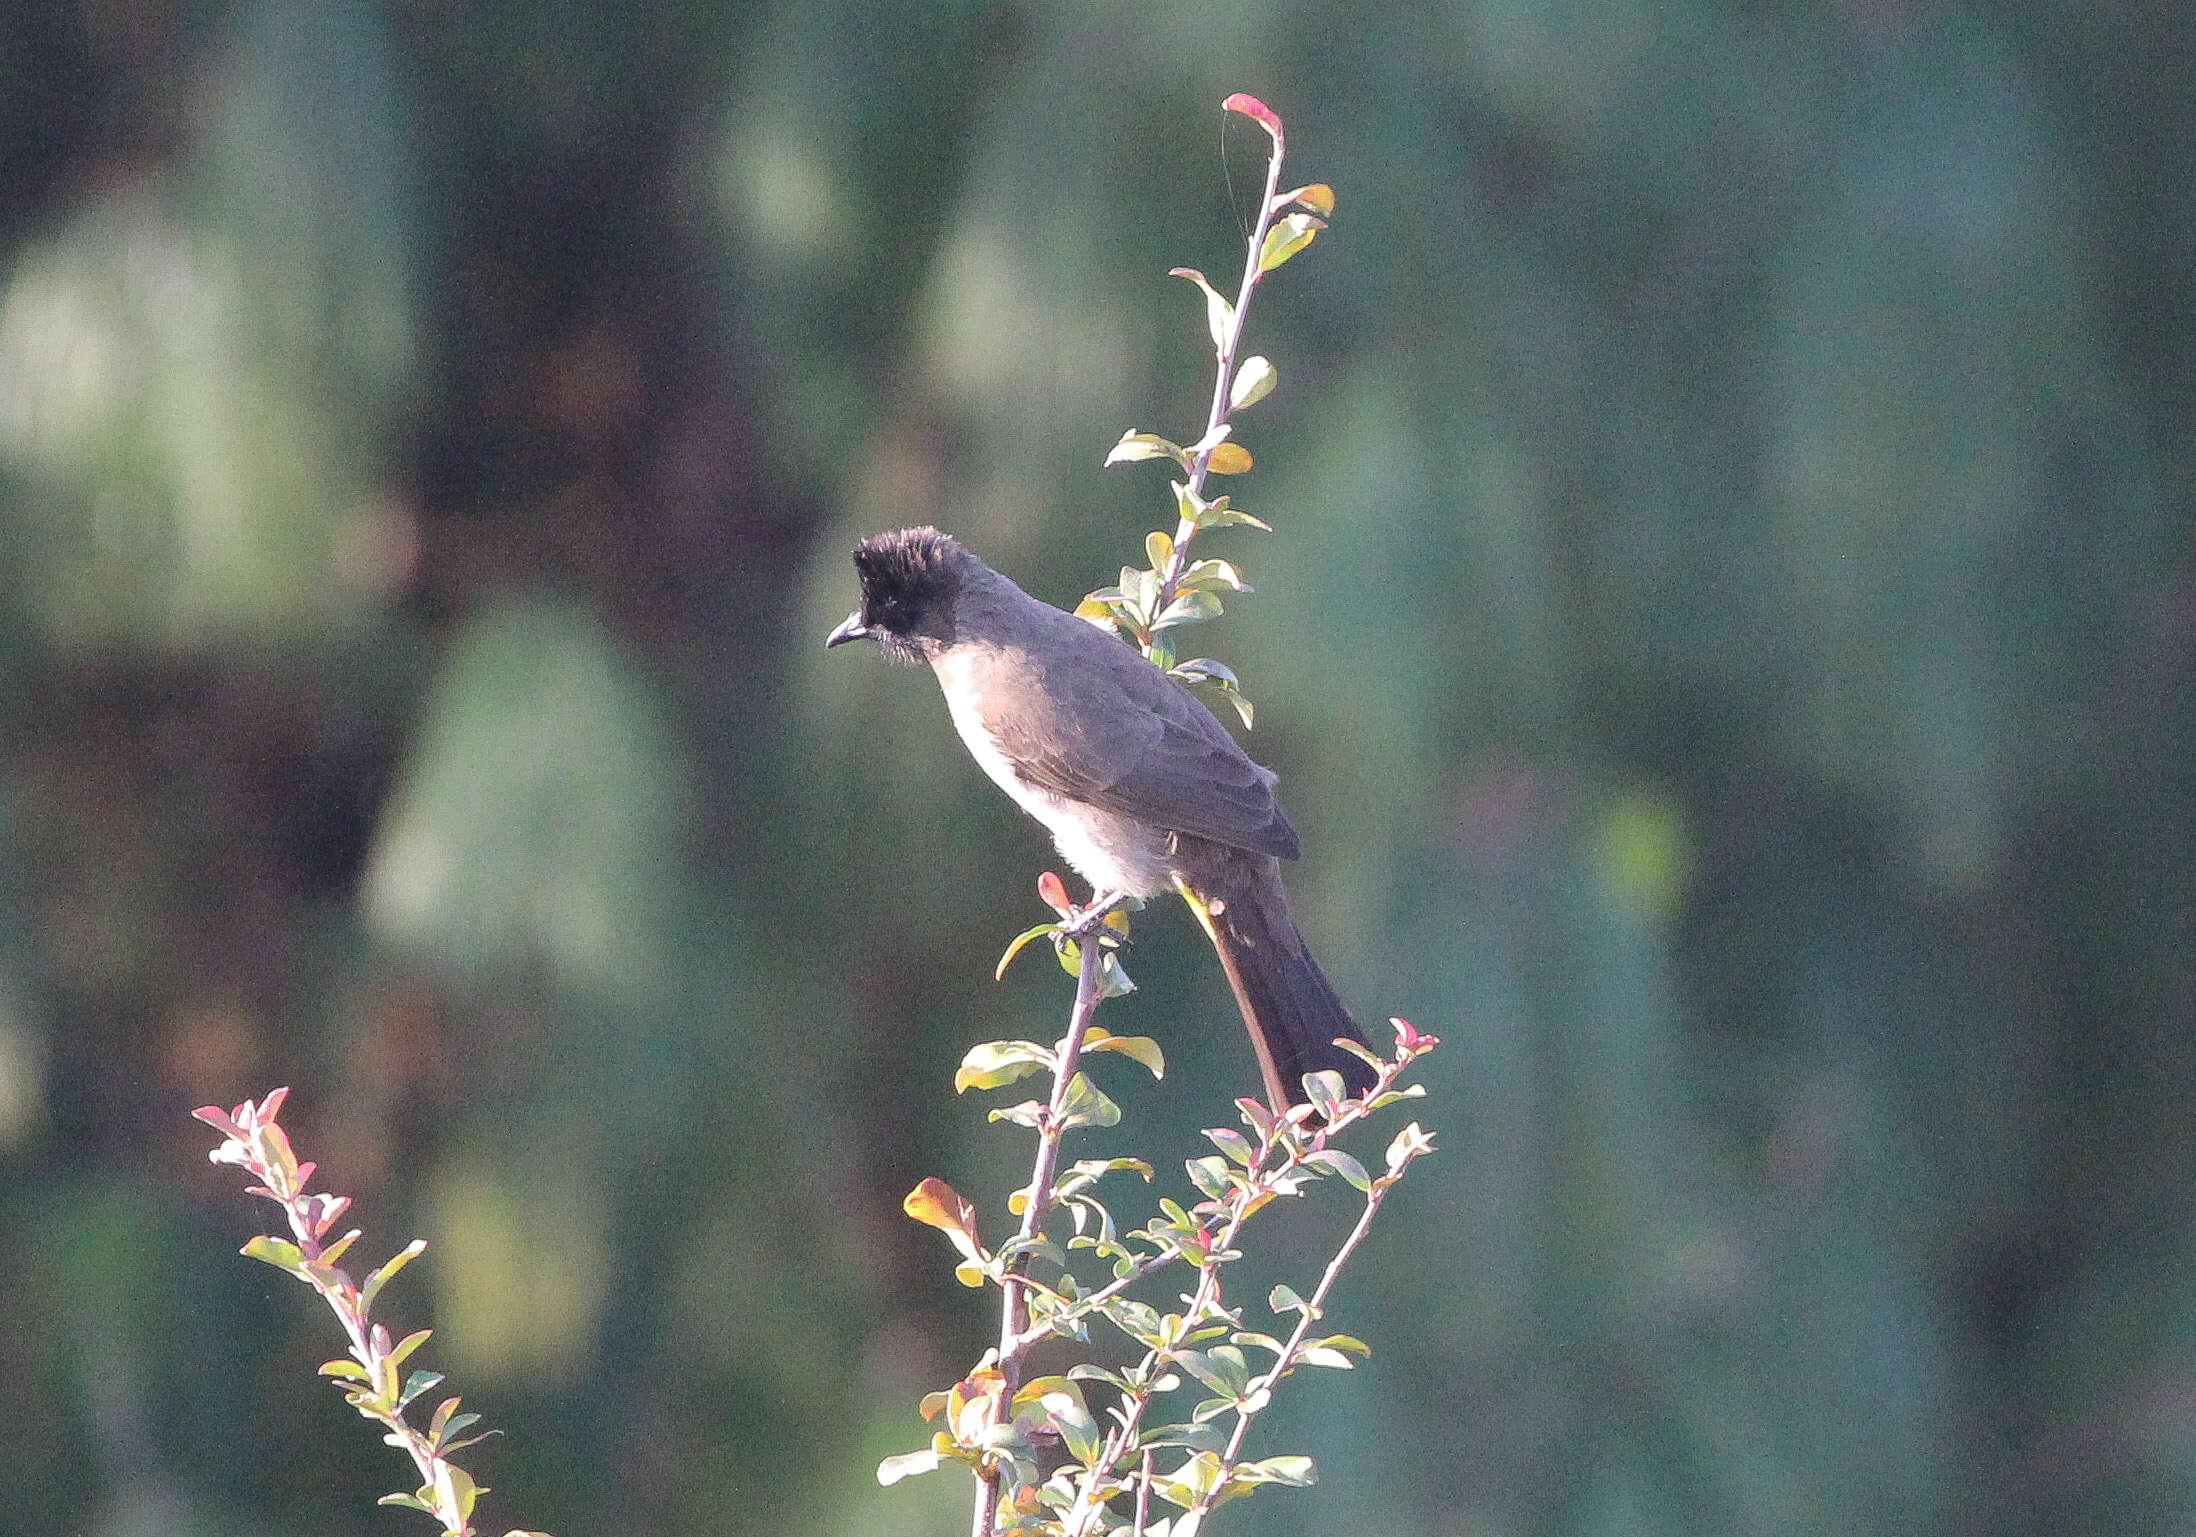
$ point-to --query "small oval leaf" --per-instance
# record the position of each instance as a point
(1287, 237)
(1254, 381)
(1136, 445)
(1230, 459)
(1219, 313)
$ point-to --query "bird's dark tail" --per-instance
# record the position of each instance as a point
(1289, 1007)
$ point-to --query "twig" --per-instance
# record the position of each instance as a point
(1015, 1335)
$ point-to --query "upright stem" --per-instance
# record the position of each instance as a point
(1014, 1309)
(1230, 344)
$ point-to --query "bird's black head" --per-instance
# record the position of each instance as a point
(909, 581)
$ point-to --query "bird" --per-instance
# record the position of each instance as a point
(1142, 788)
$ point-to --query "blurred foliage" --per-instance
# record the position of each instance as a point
(1727, 644)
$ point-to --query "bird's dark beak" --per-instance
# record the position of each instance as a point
(850, 628)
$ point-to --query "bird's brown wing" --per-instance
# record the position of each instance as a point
(1116, 732)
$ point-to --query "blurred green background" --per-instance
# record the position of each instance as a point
(1727, 643)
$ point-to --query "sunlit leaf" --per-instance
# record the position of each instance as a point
(1141, 1048)
(1159, 549)
(1409, 1143)
(1189, 608)
(1214, 436)
(1210, 1175)
(410, 1343)
(1335, 1161)
(1219, 313)
(1230, 459)
(1316, 198)
(939, 1205)
(1255, 378)
(999, 1062)
(278, 1252)
(1325, 1090)
(1288, 236)
(1086, 1105)
(1295, 1472)
(1213, 573)
(1014, 948)
(1222, 517)
(1251, 107)
(1096, 611)
(906, 1465)
(387, 1273)
(1142, 445)
(1113, 977)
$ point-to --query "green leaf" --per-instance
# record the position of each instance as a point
(1077, 1428)
(346, 1368)
(1097, 611)
(387, 1273)
(333, 1252)
(1409, 1143)
(1196, 1438)
(408, 1344)
(1319, 1355)
(1222, 517)
(409, 1501)
(1335, 1161)
(937, 1204)
(1113, 978)
(1203, 671)
(1141, 1048)
(1316, 198)
(906, 1465)
(1158, 549)
(1221, 1368)
(1000, 1062)
(418, 1383)
(1325, 1091)
(1283, 1299)
(455, 1426)
(1288, 236)
(1408, 1091)
(1219, 314)
(455, 1488)
(1085, 1105)
(1215, 435)
(1148, 584)
(1229, 459)
(1192, 507)
(1021, 939)
(1209, 1175)
(1294, 1472)
(1086, 1372)
(278, 1252)
(1212, 573)
(1136, 445)
(1255, 378)
(1189, 608)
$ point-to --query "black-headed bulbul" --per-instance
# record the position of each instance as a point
(1143, 789)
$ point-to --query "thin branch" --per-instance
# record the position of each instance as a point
(1015, 1335)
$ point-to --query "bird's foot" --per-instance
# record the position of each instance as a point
(1088, 919)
